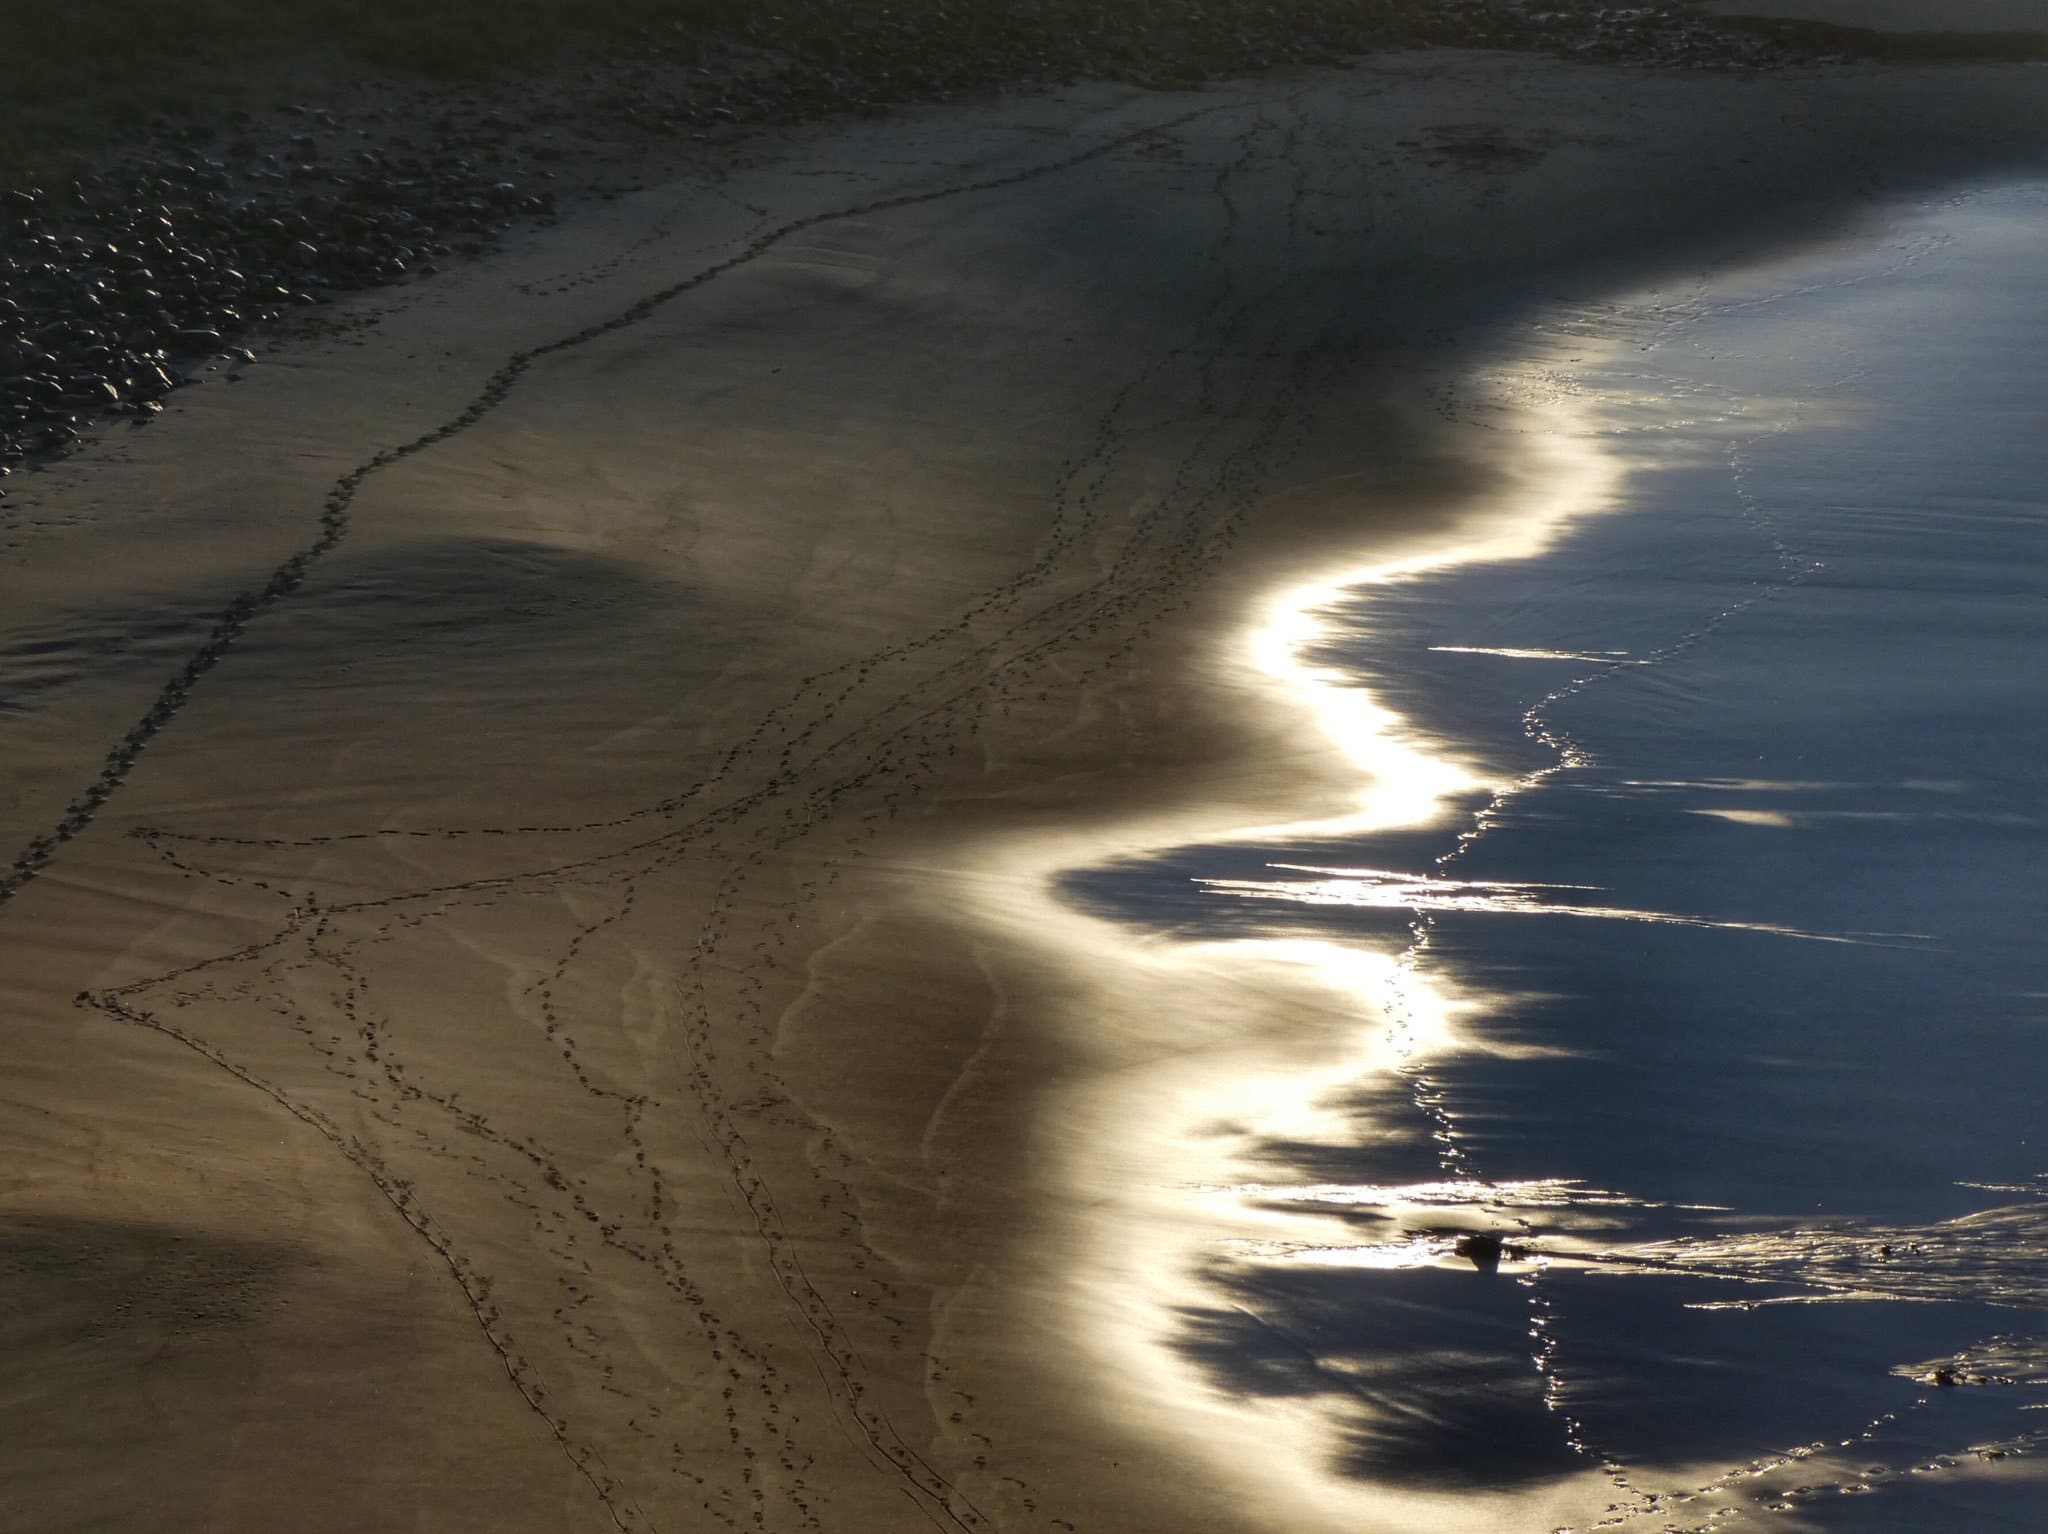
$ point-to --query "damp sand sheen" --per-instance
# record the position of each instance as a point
(924, 867)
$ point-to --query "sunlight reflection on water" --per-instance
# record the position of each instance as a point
(1268, 1278)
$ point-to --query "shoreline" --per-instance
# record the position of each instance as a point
(1262, 1026)
(1004, 874)
(790, 540)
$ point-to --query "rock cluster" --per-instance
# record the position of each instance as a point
(119, 288)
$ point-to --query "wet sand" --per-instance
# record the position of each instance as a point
(553, 1019)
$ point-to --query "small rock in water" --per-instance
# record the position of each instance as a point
(1482, 1249)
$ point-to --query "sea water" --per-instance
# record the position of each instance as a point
(1726, 1182)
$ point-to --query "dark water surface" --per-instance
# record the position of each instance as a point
(1749, 1069)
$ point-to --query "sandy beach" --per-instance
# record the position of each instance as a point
(534, 997)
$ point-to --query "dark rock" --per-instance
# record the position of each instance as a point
(1482, 1249)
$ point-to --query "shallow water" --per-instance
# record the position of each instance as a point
(1710, 984)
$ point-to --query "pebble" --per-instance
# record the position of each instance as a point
(119, 287)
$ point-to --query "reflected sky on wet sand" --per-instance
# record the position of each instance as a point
(1635, 1114)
